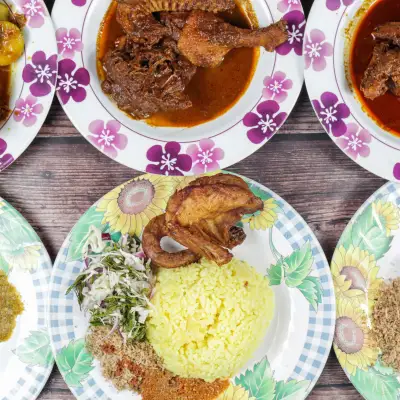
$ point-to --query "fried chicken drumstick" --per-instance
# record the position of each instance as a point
(202, 217)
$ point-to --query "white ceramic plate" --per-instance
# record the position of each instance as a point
(33, 81)
(367, 254)
(335, 104)
(26, 358)
(217, 144)
(296, 344)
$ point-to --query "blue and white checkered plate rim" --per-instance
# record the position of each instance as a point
(297, 342)
(26, 359)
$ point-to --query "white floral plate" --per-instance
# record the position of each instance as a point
(367, 254)
(32, 83)
(339, 111)
(297, 343)
(26, 358)
(169, 151)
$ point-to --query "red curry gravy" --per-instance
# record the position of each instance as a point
(213, 91)
(384, 109)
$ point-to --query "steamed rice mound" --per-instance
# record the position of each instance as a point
(209, 320)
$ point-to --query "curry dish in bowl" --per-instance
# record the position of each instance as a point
(375, 63)
(180, 64)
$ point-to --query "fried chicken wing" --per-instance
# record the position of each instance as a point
(206, 38)
(154, 231)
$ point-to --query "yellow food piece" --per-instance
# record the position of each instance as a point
(208, 320)
(4, 12)
(10, 307)
(11, 43)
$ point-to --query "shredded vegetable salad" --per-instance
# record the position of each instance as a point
(116, 285)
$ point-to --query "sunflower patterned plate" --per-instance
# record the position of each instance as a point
(279, 245)
(368, 253)
(26, 359)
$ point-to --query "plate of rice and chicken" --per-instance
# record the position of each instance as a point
(191, 288)
(366, 275)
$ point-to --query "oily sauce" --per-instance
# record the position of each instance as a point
(213, 91)
(5, 78)
(384, 109)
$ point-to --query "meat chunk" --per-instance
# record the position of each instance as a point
(389, 32)
(135, 16)
(206, 39)
(384, 64)
(144, 81)
(394, 85)
(174, 21)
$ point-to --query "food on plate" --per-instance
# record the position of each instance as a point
(203, 218)
(198, 324)
(375, 63)
(386, 323)
(11, 48)
(115, 287)
(208, 321)
(10, 307)
(136, 366)
(173, 63)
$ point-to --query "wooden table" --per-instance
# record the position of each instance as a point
(61, 175)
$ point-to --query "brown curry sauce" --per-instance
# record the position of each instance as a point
(213, 91)
(384, 109)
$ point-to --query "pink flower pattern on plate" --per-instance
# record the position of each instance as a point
(5, 159)
(42, 73)
(276, 87)
(71, 83)
(79, 3)
(106, 137)
(289, 5)
(205, 156)
(34, 11)
(265, 125)
(68, 42)
(26, 110)
(334, 5)
(296, 27)
(355, 141)
(316, 49)
(396, 171)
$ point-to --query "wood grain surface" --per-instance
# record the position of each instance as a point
(61, 175)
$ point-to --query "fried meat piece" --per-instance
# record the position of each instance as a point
(202, 217)
(154, 231)
(389, 32)
(135, 16)
(206, 38)
(384, 64)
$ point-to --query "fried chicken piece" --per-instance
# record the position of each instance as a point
(174, 21)
(135, 16)
(202, 217)
(206, 38)
(389, 32)
(384, 64)
(154, 231)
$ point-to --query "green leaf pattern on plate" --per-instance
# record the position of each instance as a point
(35, 350)
(79, 233)
(261, 384)
(19, 245)
(371, 231)
(75, 363)
(294, 270)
